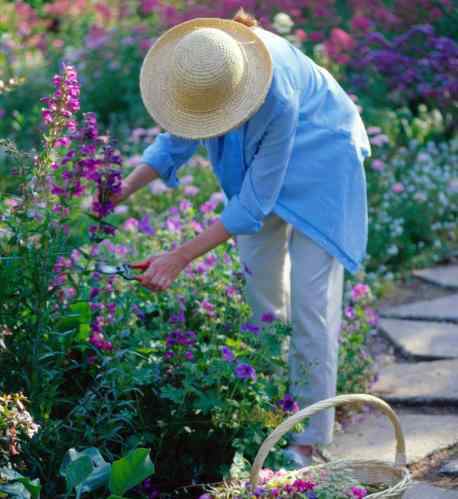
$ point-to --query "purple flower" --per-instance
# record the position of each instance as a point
(145, 226)
(350, 312)
(371, 316)
(176, 318)
(245, 372)
(248, 327)
(208, 207)
(288, 404)
(189, 355)
(268, 317)
(227, 354)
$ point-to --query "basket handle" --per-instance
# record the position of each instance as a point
(291, 421)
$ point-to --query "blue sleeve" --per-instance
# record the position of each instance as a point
(167, 153)
(263, 179)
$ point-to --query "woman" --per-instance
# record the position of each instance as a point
(287, 145)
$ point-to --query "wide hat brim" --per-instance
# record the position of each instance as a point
(156, 88)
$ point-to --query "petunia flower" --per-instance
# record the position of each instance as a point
(245, 372)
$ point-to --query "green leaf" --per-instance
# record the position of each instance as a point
(15, 490)
(100, 469)
(116, 497)
(77, 471)
(84, 332)
(130, 470)
(33, 486)
(78, 313)
(24, 486)
(98, 478)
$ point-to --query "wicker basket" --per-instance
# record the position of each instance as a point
(394, 478)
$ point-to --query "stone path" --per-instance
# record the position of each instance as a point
(441, 309)
(421, 490)
(421, 385)
(422, 340)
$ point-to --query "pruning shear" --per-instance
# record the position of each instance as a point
(125, 270)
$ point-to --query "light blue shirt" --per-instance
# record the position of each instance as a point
(301, 156)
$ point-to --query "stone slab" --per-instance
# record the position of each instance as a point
(373, 438)
(450, 468)
(425, 491)
(444, 275)
(422, 338)
(440, 309)
(420, 382)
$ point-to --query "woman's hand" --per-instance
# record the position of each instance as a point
(161, 270)
(141, 176)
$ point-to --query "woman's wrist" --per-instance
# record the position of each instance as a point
(183, 255)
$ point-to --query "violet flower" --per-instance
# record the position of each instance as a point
(245, 372)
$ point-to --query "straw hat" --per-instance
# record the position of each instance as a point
(205, 76)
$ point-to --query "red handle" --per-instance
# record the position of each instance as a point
(140, 265)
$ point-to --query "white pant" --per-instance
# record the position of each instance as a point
(300, 282)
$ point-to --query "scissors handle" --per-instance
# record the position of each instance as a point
(140, 265)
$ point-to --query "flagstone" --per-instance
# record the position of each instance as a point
(444, 275)
(450, 468)
(422, 338)
(440, 309)
(373, 438)
(419, 382)
(425, 491)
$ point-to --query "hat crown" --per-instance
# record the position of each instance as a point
(208, 65)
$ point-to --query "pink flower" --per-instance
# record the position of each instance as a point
(301, 35)
(397, 187)
(11, 202)
(187, 179)
(361, 23)
(158, 186)
(358, 492)
(216, 198)
(374, 130)
(191, 190)
(62, 142)
(185, 205)
(69, 293)
(379, 140)
(207, 308)
(378, 165)
(316, 36)
(131, 225)
(359, 291)
(207, 207)
(342, 39)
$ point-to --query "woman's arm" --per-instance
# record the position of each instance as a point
(164, 269)
(138, 178)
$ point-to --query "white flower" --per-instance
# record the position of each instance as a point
(283, 23)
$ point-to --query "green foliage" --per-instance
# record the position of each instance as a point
(15, 485)
(87, 471)
(129, 471)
